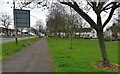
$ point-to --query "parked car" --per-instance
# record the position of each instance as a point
(2, 34)
(41, 35)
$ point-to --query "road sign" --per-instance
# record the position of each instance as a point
(22, 18)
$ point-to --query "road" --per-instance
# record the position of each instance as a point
(5, 40)
(35, 58)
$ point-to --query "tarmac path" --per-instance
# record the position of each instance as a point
(6, 40)
(35, 58)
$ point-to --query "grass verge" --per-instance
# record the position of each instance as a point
(82, 57)
(10, 49)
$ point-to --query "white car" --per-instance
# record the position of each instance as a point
(2, 34)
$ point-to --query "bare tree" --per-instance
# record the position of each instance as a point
(62, 23)
(6, 19)
(55, 21)
(118, 17)
(98, 7)
(39, 26)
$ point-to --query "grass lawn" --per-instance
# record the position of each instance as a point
(82, 57)
(10, 49)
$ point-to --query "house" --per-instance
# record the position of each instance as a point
(88, 33)
(108, 34)
(3, 32)
(113, 32)
(82, 32)
(76, 34)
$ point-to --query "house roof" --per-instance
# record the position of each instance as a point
(2, 28)
(86, 29)
(115, 28)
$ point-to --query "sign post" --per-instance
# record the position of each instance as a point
(28, 37)
(21, 20)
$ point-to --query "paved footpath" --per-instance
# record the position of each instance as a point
(35, 58)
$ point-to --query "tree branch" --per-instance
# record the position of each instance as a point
(90, 4)
(26, 4)
(100, 5)
(107, 6)
(85, 16)
(110, 16)
(80, 12)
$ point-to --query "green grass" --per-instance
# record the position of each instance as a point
(82, 57)
(10, 49)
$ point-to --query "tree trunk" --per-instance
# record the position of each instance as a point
(55, 34)
(71, 46)
(7, 32)
(103, 48)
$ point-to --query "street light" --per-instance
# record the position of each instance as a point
(36, 21)
(14, 21)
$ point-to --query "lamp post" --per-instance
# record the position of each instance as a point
(36, 21)
(16, 41)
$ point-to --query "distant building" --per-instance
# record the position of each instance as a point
(113, 31)
(108, 34)
(3, 32)
(88, 33)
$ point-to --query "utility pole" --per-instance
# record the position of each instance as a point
(36, 24)
(16, 41)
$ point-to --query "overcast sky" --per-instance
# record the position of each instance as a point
(37, 13)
